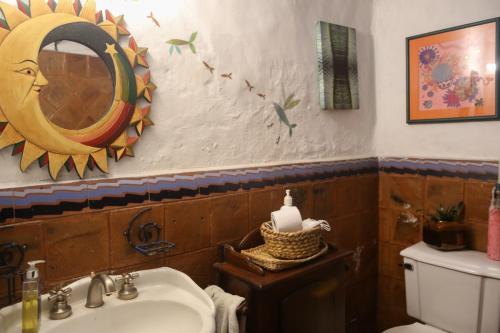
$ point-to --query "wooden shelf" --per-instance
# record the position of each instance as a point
(309, 297)
(269, 279)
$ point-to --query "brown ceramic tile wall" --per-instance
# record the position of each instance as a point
(362, 210)
(76, 244)
(424, 194)
(354, 216)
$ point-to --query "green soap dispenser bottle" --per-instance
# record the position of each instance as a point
(31, 298)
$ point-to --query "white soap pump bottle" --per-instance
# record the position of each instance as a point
(31, 299)
(288, 200)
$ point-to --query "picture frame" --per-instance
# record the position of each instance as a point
(453, 74)
(337, 66)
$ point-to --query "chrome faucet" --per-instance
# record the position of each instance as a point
(99, 283)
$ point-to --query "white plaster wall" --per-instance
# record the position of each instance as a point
(393, 21)
(205, 122)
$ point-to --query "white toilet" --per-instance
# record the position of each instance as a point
(455, 292)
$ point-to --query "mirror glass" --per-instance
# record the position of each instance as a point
(80, 88)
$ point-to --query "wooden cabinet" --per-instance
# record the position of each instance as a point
(309, 298)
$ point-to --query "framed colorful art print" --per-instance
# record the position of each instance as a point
(453, 74)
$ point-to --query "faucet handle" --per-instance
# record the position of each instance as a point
(127, 278)
(132, 276)
(128, 290)
(60, 308)
(59, 294)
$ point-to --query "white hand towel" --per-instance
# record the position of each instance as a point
(225, 309)
(310, 223)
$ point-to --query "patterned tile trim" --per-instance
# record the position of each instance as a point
(6, 205)
(117, 192)
(481, 170)
(24, 203)
(29, 202)
(49, 200)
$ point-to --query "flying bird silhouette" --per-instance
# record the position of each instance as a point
(210, 68)
(250, 87)
(227, 76)
(155, 21)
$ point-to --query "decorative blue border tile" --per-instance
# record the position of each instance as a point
(99, 194)
(481, 170)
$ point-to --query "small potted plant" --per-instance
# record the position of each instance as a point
(444, 230)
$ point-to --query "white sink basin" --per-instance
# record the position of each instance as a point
(168, 301)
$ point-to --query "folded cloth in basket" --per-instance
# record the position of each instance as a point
(310, 223)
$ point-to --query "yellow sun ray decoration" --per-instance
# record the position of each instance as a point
(24, 31)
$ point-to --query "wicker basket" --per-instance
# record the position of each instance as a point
(291, 245)
(259, 256)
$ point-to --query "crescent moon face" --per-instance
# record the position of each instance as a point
(23, 33)
(19, 70)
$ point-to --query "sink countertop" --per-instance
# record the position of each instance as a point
(168, 301)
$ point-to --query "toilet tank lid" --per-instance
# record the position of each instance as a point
(467, 261)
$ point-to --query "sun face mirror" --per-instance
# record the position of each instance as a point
(80, 88)
(69, 91)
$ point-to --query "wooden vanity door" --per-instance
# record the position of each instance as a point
(318, 307)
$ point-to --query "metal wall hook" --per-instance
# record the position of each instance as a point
(7, 254)
(147, 230)
(149, 234)
(10, 268)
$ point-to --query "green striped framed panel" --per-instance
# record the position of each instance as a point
(337, 66)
